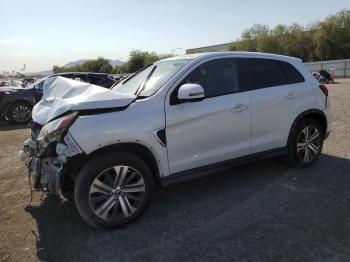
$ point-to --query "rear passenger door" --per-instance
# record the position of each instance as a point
(275, 103)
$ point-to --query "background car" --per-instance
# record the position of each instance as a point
(323, 77)
(16, 103)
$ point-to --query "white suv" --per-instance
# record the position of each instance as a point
(176, 119)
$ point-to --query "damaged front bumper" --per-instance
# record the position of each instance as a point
(46, 166)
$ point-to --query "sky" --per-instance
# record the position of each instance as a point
(43, 33)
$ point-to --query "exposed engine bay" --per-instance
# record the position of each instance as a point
(45, 153)
(45, 163)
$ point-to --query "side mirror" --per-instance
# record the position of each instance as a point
(188, 92)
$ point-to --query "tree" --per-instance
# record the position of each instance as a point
(332, 38)
(137, 60)
(329, 39)
(100, 65)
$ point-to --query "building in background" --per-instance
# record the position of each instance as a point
(211, 48)
(338, 68)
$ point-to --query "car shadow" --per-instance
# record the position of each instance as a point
(6, 126)
(264, 211)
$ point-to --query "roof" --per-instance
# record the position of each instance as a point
(233, 53)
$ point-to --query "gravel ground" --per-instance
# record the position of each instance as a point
(264, 211)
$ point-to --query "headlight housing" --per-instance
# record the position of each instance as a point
(53, 131)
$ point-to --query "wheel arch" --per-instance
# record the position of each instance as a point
(76, 163)
(137, 149)
(315, 114)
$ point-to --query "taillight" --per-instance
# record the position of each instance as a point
(324, 89)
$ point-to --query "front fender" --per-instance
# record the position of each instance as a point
(136, 124)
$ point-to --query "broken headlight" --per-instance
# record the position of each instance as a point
(54, 130)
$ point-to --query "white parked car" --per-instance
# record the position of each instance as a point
(176, 119)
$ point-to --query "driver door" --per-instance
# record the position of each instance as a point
(212, 130)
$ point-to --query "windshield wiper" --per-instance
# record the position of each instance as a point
(134, 74)
(143, 85)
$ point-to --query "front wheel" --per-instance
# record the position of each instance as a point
(113, 190)
(305, 143)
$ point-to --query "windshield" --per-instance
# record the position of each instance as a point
(149, 80)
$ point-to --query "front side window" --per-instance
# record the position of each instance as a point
(265, 73)
(217, 77)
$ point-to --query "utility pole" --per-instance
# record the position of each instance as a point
(173, 50)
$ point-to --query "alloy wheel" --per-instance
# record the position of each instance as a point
(308, 143)
(117, 193)
(21, 114)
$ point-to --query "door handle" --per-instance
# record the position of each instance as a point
(292, 95)
(239, 107)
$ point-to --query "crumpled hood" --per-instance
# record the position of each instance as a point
(62, 94)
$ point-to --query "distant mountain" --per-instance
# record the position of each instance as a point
(76, 63)
(115, 62)
(112, 62)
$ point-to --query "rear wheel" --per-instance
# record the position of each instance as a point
(19, 113)
(113, 190)
(305, 143)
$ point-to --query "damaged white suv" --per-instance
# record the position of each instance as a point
(175, 119)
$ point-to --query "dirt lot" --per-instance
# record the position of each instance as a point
(260, 212)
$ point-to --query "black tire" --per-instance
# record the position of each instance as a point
(297, 152)
(100, 168)
(67, 189)
(19, 113)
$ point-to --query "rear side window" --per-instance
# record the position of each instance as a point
(265, 73)
(96, 78)
(293, 74)
(217, 77)
(80, 77)
(66, 75)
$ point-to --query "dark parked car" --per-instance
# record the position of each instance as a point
(323, 77)
(16, 103)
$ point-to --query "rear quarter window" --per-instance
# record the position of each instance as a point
(293, 75)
